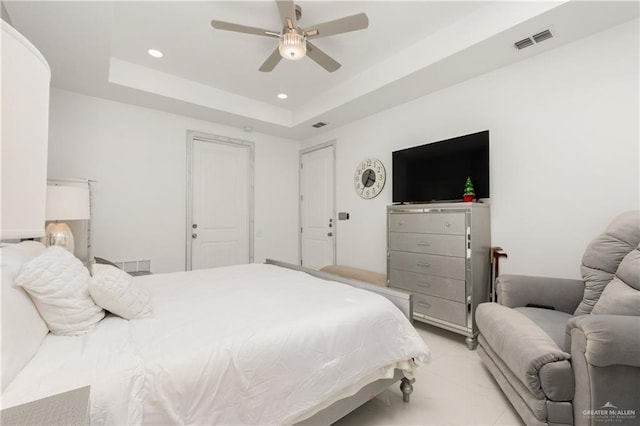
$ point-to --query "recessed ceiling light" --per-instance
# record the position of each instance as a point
(155, 53)
(282, 96)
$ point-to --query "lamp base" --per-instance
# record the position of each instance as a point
(59, 234)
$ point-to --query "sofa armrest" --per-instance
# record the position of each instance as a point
(523, 346)
(610, 339)
(605, 358)
(520, 290)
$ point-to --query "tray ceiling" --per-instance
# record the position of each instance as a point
(410, 49)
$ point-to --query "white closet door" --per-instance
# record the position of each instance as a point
(220, 212)
(318, 227)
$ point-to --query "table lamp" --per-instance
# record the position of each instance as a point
(64, 202)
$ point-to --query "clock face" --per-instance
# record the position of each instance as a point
(370, 178)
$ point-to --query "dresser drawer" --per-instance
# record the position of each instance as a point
(447, 288)
(446, 310)
(442, 266)
(447, 245)
(429, 223)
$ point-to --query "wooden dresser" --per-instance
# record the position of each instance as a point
(440, 253)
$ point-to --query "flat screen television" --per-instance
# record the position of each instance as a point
(438, 171)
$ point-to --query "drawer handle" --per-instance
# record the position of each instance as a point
(424, 265)
(423, 284)
(424, 244)
(426, 305)
(447, 224)
(401, 223)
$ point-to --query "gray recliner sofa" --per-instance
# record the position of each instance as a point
(568, 351)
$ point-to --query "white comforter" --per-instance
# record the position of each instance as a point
(249, 344)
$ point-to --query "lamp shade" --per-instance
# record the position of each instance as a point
(67, 203)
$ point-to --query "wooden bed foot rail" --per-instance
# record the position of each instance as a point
(406, 386)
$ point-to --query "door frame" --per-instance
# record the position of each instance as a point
(318, 147)
(193, 136)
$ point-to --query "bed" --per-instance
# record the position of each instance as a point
(245, 344)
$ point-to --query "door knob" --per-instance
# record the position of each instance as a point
(194, 226)
(194, 236)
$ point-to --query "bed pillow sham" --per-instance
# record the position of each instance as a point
(58, 283)
(111, 288)
(23, 329)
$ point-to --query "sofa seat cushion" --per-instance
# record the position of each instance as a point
(521, 344)
(554, 323)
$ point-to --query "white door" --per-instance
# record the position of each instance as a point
(317, 216)
(219, 232)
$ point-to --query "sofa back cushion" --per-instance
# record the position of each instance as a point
(604, 254)
(23, 329)
(622, 295)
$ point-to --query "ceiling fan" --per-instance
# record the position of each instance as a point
(293, 43)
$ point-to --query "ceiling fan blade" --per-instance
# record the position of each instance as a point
(288, 13)
(321, 58)
(229, 26)
(339, 26)
(271, 61)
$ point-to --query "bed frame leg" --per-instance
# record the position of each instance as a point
(472, 343)
(406, 386)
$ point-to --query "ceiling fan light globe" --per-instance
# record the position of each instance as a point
(292, 46)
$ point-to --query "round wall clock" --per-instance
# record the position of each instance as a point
(370, 178)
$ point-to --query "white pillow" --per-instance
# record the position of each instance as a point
(58, 283)
(22, 327)
(111, 288)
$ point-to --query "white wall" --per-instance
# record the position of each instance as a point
(564, 152)
(138, 157)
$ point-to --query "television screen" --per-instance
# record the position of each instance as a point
(438, 171)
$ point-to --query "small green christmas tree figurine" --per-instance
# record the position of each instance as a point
(469, 192)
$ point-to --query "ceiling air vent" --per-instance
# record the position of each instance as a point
(542, 36)
(319, 124)
(523, 43)
(536, 38)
